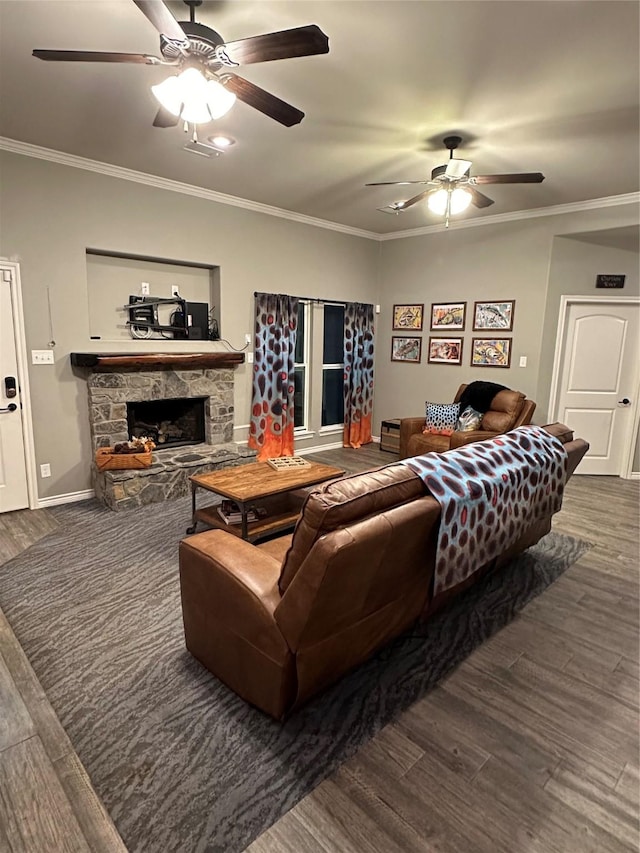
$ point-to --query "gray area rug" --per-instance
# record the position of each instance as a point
(180, 762)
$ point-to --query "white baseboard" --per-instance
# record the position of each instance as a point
(69, 498)
(318, 448)
(335, 445)
(304, 451)
(634, 475)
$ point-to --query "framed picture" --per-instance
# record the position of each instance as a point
(407, 318)
(492, 316)
(448, 316)
(445, 351)
(406, 349)
(491, 352)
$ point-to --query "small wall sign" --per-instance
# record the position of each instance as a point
(616, 281)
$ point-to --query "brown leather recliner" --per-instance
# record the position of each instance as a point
(509, 409)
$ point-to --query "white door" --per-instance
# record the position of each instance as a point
(599, 381)
(13, 470)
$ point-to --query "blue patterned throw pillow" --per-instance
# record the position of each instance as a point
(441, 418)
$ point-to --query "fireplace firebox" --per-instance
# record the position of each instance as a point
(169, 422)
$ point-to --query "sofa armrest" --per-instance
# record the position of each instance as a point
(459, 439)
(409, 427)
(229, 592)
(233, 584)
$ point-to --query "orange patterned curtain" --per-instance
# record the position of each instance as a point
(358, 374)
(272, 413)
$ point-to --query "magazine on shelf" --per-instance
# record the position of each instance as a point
(229, 512)
(287, 463)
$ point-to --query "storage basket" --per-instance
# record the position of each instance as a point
(107, 460)
(390, 435)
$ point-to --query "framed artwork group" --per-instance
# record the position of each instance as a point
(492, 318)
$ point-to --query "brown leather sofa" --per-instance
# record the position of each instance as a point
(279, 621)
(509, 409)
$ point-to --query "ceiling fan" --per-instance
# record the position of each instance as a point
(206, 87)
(456, 189)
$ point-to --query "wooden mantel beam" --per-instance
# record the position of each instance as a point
(152, 360)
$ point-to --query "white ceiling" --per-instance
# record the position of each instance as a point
(532, 86)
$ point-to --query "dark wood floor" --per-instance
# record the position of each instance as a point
(530, 746)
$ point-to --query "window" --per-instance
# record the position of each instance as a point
(301, 369)
(333, 366)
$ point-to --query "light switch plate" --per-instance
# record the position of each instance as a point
(523, 361)
(42, 356)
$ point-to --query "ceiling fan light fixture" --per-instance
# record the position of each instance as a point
(460, 200)
(450, 201)
(437, 201)
(168, 93)
(193, 98)
(219, 99)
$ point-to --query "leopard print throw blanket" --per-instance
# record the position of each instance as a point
(490, 493)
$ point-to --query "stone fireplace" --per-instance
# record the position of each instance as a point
(183, 401)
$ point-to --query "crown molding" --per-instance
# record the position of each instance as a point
(28, 150)
(533, 213)
(60, 157)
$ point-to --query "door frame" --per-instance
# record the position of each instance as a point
(15, 287)
(566, 301)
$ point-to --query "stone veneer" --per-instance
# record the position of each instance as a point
(168, 476)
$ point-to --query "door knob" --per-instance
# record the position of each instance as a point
(10, 408)
(625, 401)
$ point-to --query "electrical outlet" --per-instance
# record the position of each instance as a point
(144, 288)
(247, 339)
(249, 358)
(45, 470)
(175, 290)
(42, 356)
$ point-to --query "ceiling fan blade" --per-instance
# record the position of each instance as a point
(415, 199)
(262, 101)
(300, 41)
(396, 183)
(165, 119)
(522, 178)
(457, 168)
(95, 56)
(478, 198)
(164, 22)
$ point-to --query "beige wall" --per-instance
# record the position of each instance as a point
(573, 270)
(50, 214)
(493, 262)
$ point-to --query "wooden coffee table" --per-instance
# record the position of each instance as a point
(257, 484)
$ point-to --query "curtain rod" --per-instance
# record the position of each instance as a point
(316, 299)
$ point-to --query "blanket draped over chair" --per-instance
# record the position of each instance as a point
(490, 492)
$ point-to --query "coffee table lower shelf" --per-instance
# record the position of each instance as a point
(283, 512)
